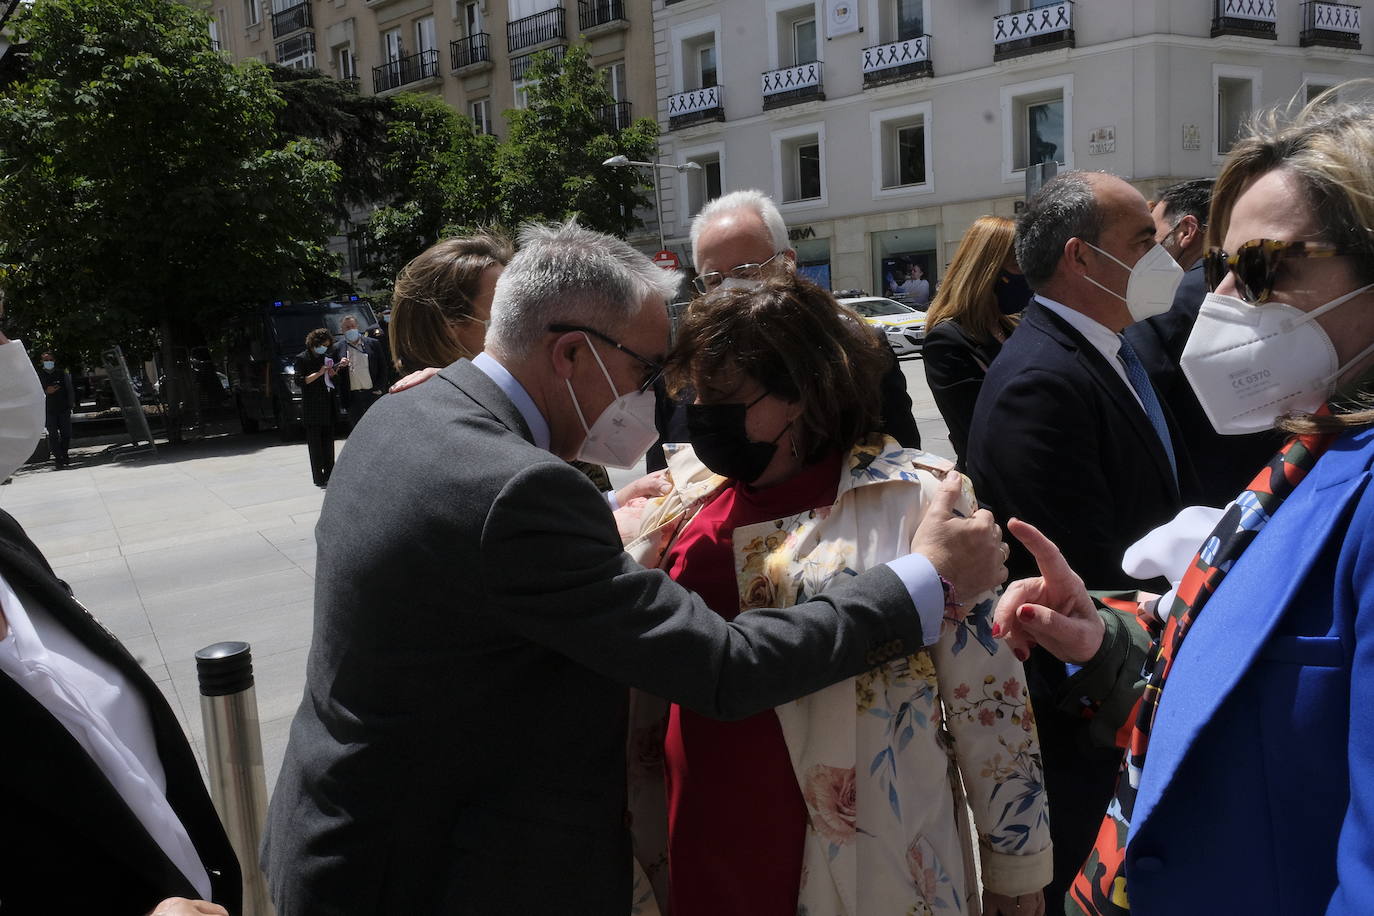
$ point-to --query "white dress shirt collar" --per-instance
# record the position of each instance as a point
(511, 387)
(1102, 338)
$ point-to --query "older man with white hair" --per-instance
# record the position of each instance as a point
(461, 744)
(741, 237)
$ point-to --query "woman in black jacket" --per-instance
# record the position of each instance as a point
(971, 317)
(315, 374)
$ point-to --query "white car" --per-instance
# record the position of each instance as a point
(904, 326)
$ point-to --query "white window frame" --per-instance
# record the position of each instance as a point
(877, 124)
(387, 51)
(215, 31)
(1323, 80)
(783, 140)
(1230, 71)
(252, 10)
(1013, 99)
(684, 184)
(609, 70)
(687, 33)
(420, 35)
(486, 116)
(883, 15)
(777, 8)
(471, 25)
(340, 52)
(520, 91)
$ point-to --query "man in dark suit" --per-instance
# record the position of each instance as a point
(743, 228)
(1063, 438)
(361, 370)
(1224, 464)
(57, 385)
(461, 744)
(104, 801)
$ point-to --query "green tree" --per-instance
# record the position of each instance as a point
(143, 184)
(439, 178)
(550, 164)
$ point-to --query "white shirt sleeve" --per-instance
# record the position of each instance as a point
(923, 585)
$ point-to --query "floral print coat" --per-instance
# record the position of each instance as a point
(889, 762)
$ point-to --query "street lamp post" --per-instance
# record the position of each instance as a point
(621, 161)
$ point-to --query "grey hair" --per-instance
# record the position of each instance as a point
(566, 274)
(751, 200)
(1064, 208)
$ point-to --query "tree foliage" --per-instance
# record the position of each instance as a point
(143, 183)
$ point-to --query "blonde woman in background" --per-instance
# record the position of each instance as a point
(971, 317)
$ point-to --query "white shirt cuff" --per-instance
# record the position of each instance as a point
(923, 585)
(611, 500)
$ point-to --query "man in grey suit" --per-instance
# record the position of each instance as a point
(461, 744)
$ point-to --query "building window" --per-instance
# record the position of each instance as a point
(214, 34)
(345, 64)
(703, 185)
(1037, 124)
(907, 19)
(615, 80)
(1314, 84)
(901, 157)
(424, 35)
(252, 12)
(799, 158)
(905, 264)
(481, 116)
(699, 62)
(1236, 95)
(522, 93)
(392, 49)
(796, 31)
(472, 19)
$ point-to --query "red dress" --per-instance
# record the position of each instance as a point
(736, 818)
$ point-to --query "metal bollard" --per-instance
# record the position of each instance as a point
(233, 747)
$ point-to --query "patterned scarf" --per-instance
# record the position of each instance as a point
(1100, 889)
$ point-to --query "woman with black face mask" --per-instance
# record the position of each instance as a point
(784, 489)
(973, 314)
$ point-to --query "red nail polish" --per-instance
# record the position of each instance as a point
(1026, 612)
(996, 630)
(1022, 655)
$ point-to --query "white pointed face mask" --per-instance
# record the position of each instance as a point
(624, 431)
(1154, 280)
(21, 408)
(1250, 364)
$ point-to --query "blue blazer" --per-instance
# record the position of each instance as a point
(1257, 794)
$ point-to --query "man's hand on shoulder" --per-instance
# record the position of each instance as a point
(966, 551)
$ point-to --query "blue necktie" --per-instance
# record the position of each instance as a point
(1140, 381)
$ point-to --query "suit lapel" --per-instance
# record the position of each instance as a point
(1217, 653)
(478, 386)
(1124, 399)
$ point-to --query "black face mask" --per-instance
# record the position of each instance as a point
(1012, 291)
(717, 435)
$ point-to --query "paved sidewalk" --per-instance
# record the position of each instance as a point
(207, 542)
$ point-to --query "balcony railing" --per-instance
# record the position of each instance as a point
(1029, 31)
(291, 50)
(695, 106)
(1251, 18)
(405, 70)
(615, 116)
(519, 66)
(475, 49)
(592, 14)
(291, 19)
(896, 61)
(790, 85)
(1335, 25)
(536, 29)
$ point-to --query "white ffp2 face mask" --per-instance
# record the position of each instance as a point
(1154, 280)
(21, 408)
(624, 431)
(1250, 364)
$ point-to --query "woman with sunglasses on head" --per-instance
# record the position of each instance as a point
(851, 799)
(1248, 784)
(973, 314)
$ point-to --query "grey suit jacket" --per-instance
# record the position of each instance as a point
(461, 744)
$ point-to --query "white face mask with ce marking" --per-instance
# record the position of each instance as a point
(624, 431)
(1154, 280)
(21, 408)
(1250, 364)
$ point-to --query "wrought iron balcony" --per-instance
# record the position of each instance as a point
(695, 106)
(470, 51)
(897, 61)
(790, 85)
(536, 29)
(405, 70)
(519, 66)
(1033, 30)
(1334, 25)
(297, 51)
(615, 116)
(1251, 18)
(291, 19)
(601, 15)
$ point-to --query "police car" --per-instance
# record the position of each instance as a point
(903, 325)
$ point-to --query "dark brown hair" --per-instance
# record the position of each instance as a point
(434, 292)
(317, 337)
(791, 337)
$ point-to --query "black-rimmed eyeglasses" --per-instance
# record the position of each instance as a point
(653, 371)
